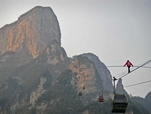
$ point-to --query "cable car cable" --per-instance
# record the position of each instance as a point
(116, 66)
(133, 66)
(120, 74)
(136, 68)
(119, 66)
(143, 66)
(125, 72)
(138, 83)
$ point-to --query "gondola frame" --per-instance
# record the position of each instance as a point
(119, 103)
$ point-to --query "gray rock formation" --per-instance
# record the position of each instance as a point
(120, 88)
(146, 102)
(102, 70)
(28, 37)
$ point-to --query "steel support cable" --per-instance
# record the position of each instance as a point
(116, 66)
(144, 66)
(138, 83)
(133, 66)
(136, 68)
(120, 74)
(125, 72)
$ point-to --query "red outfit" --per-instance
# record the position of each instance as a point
(128, 64)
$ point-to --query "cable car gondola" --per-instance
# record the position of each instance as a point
(119, 103)
(101, 99)
(80, 93)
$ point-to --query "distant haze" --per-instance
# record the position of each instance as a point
(114, 30)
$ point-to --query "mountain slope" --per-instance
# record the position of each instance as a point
(144, 101)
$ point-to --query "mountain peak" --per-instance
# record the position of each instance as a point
(34, 11)
(120, 88)
(31, 34)
(102, 70)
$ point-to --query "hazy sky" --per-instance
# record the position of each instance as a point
(114, 30)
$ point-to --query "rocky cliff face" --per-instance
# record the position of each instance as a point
(55, 53)
(102, 70)
(148, 101)
(30, 35)
(86, 78)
